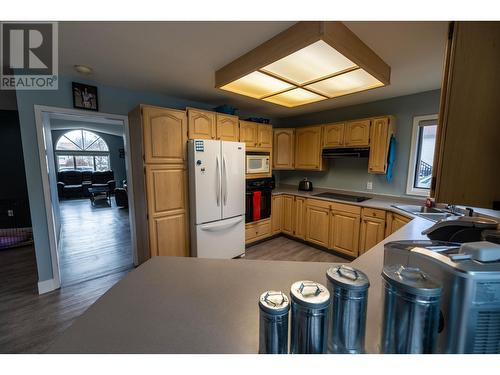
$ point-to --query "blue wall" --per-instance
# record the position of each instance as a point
(352, 174)
(111, 100)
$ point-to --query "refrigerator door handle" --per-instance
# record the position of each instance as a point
(224, 173)
(214, 227)
(217, 174)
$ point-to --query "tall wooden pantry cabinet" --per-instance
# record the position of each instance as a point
(158, 140)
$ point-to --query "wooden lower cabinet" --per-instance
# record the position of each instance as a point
(288, 226)
(300, 215)
(317, 219)
(344, 232)
(168, 236)
(257, 230)
(276, 214)
(395, 222)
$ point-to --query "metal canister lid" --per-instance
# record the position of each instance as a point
(348, 278)
(412, 280)
(274, 302)
(310, 293)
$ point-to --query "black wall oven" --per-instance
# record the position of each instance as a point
(258, 199)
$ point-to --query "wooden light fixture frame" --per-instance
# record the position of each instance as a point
(299, 36)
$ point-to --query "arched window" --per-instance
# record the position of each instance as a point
(82, 150)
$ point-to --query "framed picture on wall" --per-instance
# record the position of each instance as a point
(85, 96)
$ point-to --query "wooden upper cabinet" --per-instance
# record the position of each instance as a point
(357, 133)
(228, 128)
(165, 135)
(380, 134)
(283, 150)
(333, 135)
(264, 136)
(202, 124)
(249, 133)
(308, 146)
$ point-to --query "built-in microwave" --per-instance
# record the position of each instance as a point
(258, 163)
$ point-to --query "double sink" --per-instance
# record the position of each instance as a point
(430, 213)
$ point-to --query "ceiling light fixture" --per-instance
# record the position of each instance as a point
(83, 69)
(308, 62)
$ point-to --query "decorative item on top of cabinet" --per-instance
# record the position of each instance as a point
(202, 124)
(317, 220)
(381, 131)
(308, 145)
(228, 128)
(357, 133)
(333, 135)
(344, 228)
(276, 214)
(372, 228)
(284, 146)
(395, 222)
(158, 138)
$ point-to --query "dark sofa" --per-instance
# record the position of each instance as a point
(76, 184)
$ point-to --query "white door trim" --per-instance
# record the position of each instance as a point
(40, 111)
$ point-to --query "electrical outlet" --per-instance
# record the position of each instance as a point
(369, 185)
(10, 212)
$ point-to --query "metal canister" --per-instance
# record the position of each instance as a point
(411, 311)
(273, 322)
(310, 302)
(347, 319)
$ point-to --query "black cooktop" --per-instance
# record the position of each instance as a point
(342, 197)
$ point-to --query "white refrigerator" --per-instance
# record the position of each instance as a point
(217, 198)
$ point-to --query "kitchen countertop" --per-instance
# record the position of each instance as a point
(192, 305)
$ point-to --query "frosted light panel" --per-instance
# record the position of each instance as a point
(312, 62)
(346, 83)
(257, 85)
(294, 98)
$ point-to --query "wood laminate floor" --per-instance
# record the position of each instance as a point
(29, 323)
(95, 240)
(283, 248)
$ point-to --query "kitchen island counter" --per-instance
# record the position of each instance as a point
(192, 305)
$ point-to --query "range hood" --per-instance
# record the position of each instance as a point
(335, 153)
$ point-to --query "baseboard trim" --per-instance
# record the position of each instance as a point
(46, 286)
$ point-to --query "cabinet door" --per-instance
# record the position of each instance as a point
(201, 124)
(317, 220)
(308, 148)
(344, 232)
(168, 235)
(248, 133)
(333, 135)
(288, 214)
(277, 214)
(395, 222)
(357, 133)
(379, 145)
(372, 232)
(300, 225)
(264, 136)
(165, 135)
(166, 187)
(228, 128)
(283, 149)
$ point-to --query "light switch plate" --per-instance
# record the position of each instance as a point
(369, 185)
